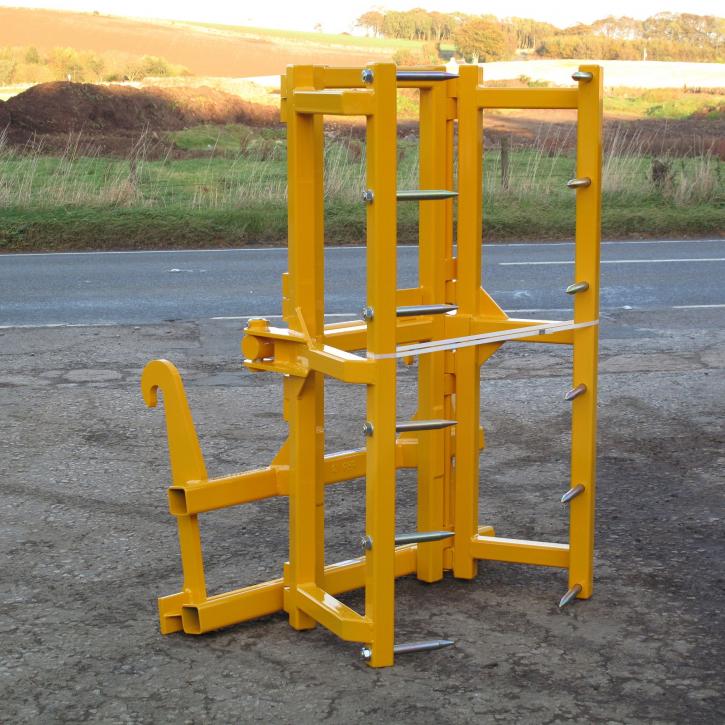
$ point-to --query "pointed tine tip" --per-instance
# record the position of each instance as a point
(575, 392)
(570, 596)
(573, 289)
(424, 646)
(572, 493)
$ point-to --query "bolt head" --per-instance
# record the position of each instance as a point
(367, 75)
(366, 653)
(368, 196)
(366, 543)
(368, 429)
(367, 313)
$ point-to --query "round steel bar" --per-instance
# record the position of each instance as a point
(424, 75)
(412, 425)
(425, 195)
(413, 310)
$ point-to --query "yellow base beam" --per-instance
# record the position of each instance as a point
(240, 605)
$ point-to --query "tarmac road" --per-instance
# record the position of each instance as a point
(146, 287)
(87, 543)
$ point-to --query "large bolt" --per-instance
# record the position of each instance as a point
(368, 196)
(366, 653)
(367, 75)
(367, 313)
(366, 542)
(368, 429)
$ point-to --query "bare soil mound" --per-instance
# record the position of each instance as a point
(4, 117)
(62, 107)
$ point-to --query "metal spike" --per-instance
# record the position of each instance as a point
(579, 183)
(424, 75)
(582, 75)
(425, 646)
(570, 596)
(573, 289)
(366, 651)
(413, 310)
(406, 426)
(420, 537)
(572, 493)
(425, 194)
(367, 76)
(576, 392)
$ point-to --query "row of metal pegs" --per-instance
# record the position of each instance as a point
(439, 309)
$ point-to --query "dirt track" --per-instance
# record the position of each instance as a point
(87, 542)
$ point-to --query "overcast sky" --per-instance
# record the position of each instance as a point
(339, 15)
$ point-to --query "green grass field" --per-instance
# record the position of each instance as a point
(327, 39)
(663, 103)
(234, 193)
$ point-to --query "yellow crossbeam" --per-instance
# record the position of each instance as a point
(519, 551)
(527, 97)
(334, 103)
(196, 497)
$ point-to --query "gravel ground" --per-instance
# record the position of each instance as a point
(87, 543)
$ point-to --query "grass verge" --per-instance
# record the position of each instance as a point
(96, 228)
(232, 192)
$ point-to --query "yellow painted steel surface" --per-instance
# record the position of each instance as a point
(450, 349)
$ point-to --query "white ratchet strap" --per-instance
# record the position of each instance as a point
(422, 348)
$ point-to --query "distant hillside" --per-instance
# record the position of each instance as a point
(204, 51)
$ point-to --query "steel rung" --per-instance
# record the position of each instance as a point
(426, 195)
(424, 75)
(413, 310)
(422, 537)
(413, 425)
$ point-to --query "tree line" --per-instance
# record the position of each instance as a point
(29, 65)
(664, 36)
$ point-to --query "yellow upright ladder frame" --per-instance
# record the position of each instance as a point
(444, 440)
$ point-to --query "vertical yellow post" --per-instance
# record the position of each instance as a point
(434, 234)
(586, 308)
(381, 284)
(470, 163)
(449, 377)
(304, 398)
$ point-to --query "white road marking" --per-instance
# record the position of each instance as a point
(695, 307)
(279, 317)
(614, 261)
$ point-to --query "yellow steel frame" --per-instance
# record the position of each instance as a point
(306, 350)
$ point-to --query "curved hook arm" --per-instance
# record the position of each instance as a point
(187, 461)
